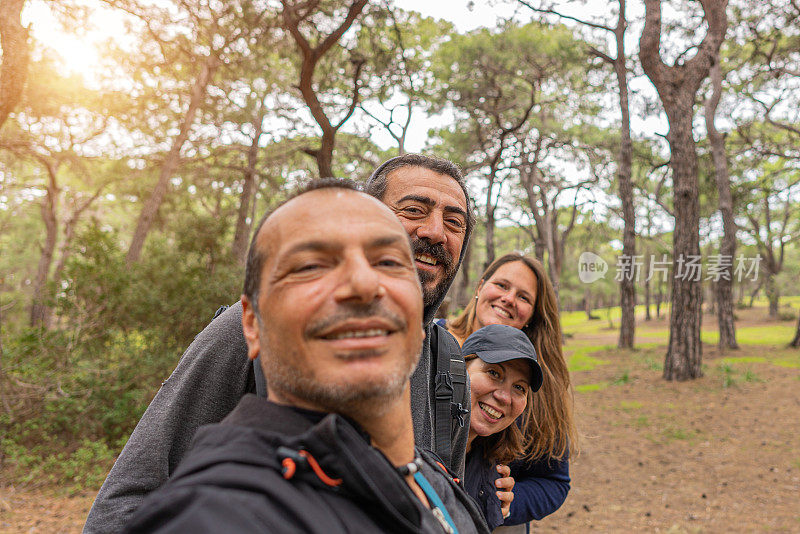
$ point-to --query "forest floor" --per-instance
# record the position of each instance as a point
(716, 454)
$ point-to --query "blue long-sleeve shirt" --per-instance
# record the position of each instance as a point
(541, 488)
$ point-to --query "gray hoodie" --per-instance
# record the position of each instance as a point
(211, 378)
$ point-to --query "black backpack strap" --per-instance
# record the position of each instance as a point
(458, 372)
(449, 388)
(261, 382)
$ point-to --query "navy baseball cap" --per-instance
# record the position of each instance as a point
(499, 343)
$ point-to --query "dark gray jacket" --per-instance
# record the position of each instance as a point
(231, 480)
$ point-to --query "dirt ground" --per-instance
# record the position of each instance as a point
(717, 454)
(686, 457)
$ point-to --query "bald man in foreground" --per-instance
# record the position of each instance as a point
(333, 307)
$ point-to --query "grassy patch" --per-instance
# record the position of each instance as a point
(676, 433)
(767, 334)
(630, 406)
(641, 422)
(750, 376)
(790, 358)
(744, 359)
(597, 386)
(581, 358)
(624, 378)
(728, 373)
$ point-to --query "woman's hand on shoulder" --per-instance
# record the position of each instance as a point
(505, 485)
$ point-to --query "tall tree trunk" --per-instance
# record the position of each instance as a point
(659, 299)
(796, 341)
(677, 87)
(712, 298)
(40, 312)
(553, 263)
(170, 164)
(464, 291)
(539, 248)
(627, 287)
(16, 55)
(727, 249)
(773, 295)
(4, 381)
(325, 154)
(310, 57)
(684, 352)
(587, 304)
(754, 293)
(490, 224)
(647, 316)
(69, 233)
(241, 234)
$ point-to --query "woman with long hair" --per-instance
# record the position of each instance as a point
(516, 291)
(504, 375)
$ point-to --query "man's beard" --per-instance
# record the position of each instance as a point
(434, 295)
(373, 397)
(350, 399)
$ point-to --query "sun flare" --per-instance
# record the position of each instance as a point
(78, 51)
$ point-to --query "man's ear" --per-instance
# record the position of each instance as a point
(250, 327)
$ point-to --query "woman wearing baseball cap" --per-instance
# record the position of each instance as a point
(504, 373)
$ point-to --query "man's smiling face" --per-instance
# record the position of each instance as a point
(340, 302)
(433, 210)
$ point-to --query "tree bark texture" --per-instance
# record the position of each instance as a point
(69, 234)
(724, 286)
(464, 291)
(684, 351)
(627, 286)
(796, 341)
(490, 222)
(773, 295)
(171, 162)
(241, 234)
(310, 56)
(677, 87)
(40, 314)
(16, 56)
(659, 300)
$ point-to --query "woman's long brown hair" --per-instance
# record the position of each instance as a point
(548, 423)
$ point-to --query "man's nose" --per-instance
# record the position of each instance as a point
(432, 228)
(361, 281)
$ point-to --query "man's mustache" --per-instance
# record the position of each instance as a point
(435, 251)
(355, 311)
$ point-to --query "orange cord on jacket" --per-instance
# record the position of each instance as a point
(290, 468)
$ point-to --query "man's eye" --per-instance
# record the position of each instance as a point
(412, 210)
(390, 262)
(307, 267)
(458, 224)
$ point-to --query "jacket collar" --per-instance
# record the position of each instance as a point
(338, 445)
(256, 412)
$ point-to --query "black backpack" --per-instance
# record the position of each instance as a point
(450, 385)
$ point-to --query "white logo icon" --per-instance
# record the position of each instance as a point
(591, 267)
